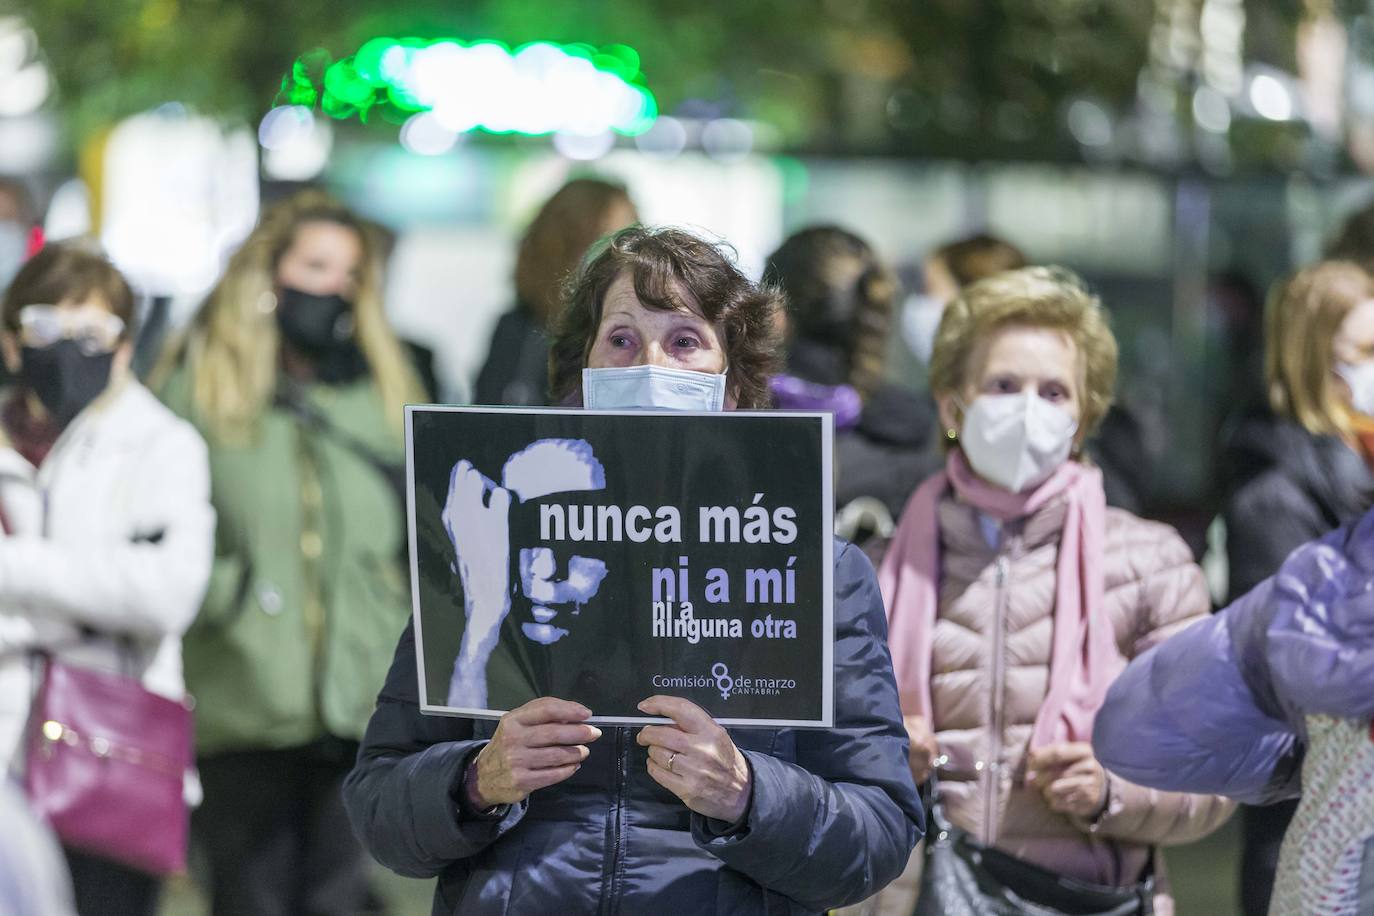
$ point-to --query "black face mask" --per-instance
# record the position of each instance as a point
(321, 329)
(64, 379)
(312, 324)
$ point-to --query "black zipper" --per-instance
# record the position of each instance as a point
(612, 881)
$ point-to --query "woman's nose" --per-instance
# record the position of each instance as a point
(652, 355)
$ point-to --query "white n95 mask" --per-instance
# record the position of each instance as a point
(1016, 441)
(652, 388)
(1360, 378)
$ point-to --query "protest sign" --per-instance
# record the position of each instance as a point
(606, 557)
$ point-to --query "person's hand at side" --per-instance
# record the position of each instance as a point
(923, 749)
(695, 759)
(1070, 778)
(535, 746)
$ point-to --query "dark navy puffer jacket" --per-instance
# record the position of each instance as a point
(833, 818)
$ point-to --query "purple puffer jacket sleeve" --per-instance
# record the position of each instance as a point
(1220, 707)
(1321, 641)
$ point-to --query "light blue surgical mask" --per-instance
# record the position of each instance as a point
(652, 388)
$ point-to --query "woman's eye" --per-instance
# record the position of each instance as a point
(619, 341)
(1054, 394)
(1005, 386)
(686, 343)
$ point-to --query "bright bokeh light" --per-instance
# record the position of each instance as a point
(727, 139)
(178, 192)
(295, 143)
(425, 135)
(583, 147)
(1211, 110)
(27, 144)
(1271, 98)
(25, 83)
(1089, 123)
(69, 211)
(285, 125)
(17, 44)
(666, 139)
(536, 89)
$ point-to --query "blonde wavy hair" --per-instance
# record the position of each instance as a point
(1034, 297)
(1301, 320)
(232, 348)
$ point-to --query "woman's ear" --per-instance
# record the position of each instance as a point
(951, 415)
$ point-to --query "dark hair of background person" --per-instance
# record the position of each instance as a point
(839, 295)
(672, 270)
(565, 227)
(979, 257)
(67, 273)
(1355, 240)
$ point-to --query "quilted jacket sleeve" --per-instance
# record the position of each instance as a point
(1173, 599)
(1198, 714)
(401, 794)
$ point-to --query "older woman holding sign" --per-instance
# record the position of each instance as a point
(1014, 596)
(541, 811)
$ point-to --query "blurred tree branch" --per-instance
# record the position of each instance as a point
(898, 76)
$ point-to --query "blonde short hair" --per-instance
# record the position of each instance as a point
(1301, 320)
(1033, 297)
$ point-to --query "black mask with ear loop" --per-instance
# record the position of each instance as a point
(322, 329)
(64, 379)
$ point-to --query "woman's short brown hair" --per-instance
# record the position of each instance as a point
(1301, 321)
(665, 264)
(979, 257)
(1033, 297)
(67, 272)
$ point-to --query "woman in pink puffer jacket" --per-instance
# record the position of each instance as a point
(1015, 596)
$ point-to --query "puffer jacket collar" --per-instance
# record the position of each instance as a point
(962, 533)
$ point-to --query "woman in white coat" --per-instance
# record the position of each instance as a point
(105, 510)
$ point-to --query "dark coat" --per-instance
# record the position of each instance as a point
(889, 452)
(833, 817)
(893, 446)
(1287, 487)
(516, 372)
(1118, 449)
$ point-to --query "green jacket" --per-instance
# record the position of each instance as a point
(307, 596)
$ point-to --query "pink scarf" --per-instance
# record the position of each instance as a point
(1084, 659)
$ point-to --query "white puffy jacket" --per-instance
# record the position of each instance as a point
(114, 533)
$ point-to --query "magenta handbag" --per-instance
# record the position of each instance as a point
(105, 764)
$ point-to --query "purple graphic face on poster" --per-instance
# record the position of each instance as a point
(608, 557)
